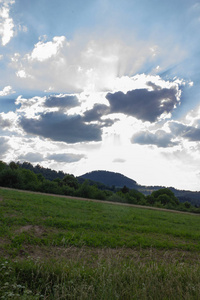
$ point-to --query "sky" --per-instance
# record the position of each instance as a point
(103, 85)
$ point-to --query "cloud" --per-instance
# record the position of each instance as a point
(22, 74)
(89, 63)
(63, 101)
(6, 23)
(61, 127)
(96, 112)
(65, 157)
(32, 107)
(44, 51)
(4, 146)
(144, 104)
(7, 90)
(4, 122)
(119, 160)
(31, 157)
(160, 138)
(189, 132)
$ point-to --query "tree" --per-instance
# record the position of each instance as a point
(84, 190)
(13, 165)
(58, 181)
(187, 204)
(3, 165)
(165, 196)
(164, 199)
(71, 181)
(11, 178)
(125, 190)
(165, 191)
(40, 177)
(29, 177)
(150, 199)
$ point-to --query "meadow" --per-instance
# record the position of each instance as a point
(58, 248)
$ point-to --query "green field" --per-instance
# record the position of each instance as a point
(57, 248)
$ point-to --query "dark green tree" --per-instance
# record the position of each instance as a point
(187, 204)
(11, 178)
(3, 165)
(30, 179)
(59, 181)
(165, 196)
(71, 181)
(125, 190)
(150, 199)
(13, 165)
(40, 177)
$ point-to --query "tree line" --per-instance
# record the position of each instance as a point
(26, 177)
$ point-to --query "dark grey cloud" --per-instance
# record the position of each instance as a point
(61, 127)
(63, 102)
(160, 138)
(163, 139)
(65, 157)
(4, 146)
(95, 114)
(143, 104)
(31, 157)
(189, 132)
(153, 85)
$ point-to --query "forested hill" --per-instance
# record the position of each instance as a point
(46, 172)
(110, 179)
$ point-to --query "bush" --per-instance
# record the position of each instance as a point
(187, 204)
(116, 198)
(50, 187)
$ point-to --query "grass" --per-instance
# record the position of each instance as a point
(58, 248)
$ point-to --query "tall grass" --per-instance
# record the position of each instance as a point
(109, 277)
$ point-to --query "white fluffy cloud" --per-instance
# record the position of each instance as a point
(43, 51)
(6, 22)
(7, 90)
(22, 74)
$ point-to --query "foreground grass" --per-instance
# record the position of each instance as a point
(100, 277)
(59, 248)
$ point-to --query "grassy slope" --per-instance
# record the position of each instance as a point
(61, 248)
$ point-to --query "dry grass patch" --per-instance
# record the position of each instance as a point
(90, 255)
(36, 230)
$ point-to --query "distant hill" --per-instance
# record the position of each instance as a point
(192, 197)
(110, 179)
(118, 180)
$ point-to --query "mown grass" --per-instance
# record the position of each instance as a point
(59, 248)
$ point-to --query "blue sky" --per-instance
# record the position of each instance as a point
(102, 85)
